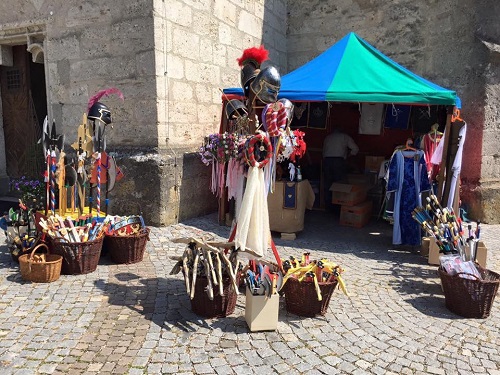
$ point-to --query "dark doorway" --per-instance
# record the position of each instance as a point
(24, 105)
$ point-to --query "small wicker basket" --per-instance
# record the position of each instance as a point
(46, 270)
(127, 249)
(470, 298)
(301, 298)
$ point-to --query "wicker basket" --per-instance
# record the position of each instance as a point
(127, 249)
(78, 257)
(470, 298)
(301, 298)
(44, 271)
(220, 306)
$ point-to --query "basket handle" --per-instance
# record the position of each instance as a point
(30, 259)
(35, 248)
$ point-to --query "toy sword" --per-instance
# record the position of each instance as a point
(51, 143)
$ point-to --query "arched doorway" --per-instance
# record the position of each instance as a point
(24, 107)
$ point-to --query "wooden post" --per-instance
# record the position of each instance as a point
(444, 158)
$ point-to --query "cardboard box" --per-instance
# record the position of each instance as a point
(481, 253)
(373, 163)
(424, 248)
(434, 254)
(347, 194)
(356, 216)
(261, 312)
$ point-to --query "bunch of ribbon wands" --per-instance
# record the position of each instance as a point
(65, 230)
(316, 271)
(208, 259)
(446, 227)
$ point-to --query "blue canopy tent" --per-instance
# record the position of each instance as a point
(352, 70)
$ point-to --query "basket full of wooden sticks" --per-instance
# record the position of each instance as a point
(211, 276)
(308, 285)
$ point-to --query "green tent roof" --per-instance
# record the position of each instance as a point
(352, 70)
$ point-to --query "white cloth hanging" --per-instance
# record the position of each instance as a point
(252, 232)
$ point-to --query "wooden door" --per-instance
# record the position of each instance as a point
(21, 125)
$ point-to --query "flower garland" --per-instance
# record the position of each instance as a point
(219, 148)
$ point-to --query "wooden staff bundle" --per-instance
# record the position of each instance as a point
(202, 258)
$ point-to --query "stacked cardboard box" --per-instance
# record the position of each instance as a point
(356, 216)
(347, 194)
(355, 210)
(434, 254)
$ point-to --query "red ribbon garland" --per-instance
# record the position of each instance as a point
(250, 150)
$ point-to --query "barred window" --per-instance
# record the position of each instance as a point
(13, 79)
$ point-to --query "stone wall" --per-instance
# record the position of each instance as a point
(170, 59)
(196, 47)
(441, 41)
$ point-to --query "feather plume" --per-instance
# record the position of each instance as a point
(254, 55)
(102, 93)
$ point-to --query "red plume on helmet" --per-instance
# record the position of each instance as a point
(102, 93)
(253, 55)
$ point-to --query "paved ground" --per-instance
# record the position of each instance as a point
(137, 319)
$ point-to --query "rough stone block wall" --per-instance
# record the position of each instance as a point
(170, 59)
(196, 47)
(442, 41)
(164, 188)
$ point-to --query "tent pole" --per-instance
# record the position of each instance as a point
(444, 158)
(223, 199)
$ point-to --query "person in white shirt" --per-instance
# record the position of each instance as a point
(337, 146)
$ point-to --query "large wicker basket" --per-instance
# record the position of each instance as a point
(220, 306)
(127, 249)
(470, 298)
(44, 271)
(301, 298)
(78, 257)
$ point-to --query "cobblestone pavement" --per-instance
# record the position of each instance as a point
(137, 319)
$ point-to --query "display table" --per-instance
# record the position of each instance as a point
(287, 205)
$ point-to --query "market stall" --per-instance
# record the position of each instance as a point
(346, 82)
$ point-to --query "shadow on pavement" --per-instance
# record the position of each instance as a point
(423, 288)
(433, 306)
(164, 302)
